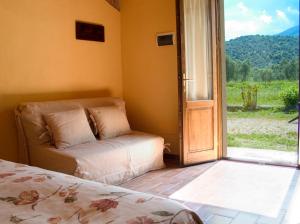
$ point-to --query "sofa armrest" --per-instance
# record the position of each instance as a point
(23, 150)
(48, 157)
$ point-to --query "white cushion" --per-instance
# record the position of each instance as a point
(69, 128)
(110, 121)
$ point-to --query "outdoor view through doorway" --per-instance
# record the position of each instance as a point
(262, 80)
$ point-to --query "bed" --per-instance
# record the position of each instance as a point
(33, 195)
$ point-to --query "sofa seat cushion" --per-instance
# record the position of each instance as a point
(111, 161)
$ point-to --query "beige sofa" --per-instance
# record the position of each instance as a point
(112, 161)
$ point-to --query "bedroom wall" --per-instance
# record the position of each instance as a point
(149, 71)
(41, 60)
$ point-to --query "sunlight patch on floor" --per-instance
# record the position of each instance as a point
(293, 214)
(252, 188)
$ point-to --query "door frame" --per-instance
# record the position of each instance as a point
(179, 42)
(218, 81)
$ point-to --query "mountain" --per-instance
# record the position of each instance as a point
(263, 51)
(293, 31)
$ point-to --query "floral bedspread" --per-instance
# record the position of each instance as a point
(33, 195)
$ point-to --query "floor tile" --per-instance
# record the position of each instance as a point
(268, 220)
(221, 211)
(204, 213)
(217, 219)
(290, 221)
(193, 206)
(245, 218)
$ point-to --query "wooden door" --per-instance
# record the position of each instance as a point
(199, 92)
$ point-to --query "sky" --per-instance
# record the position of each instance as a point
(265, 17)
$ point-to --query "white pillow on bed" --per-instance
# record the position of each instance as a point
(69, 128)
(110, 121)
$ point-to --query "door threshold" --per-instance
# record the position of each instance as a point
(198, 163)
(261, 162)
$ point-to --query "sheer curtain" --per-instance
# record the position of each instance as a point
(198, 58)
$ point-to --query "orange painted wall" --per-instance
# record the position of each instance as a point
(41, 60)
(149, 71)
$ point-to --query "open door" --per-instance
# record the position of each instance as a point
(198, 81)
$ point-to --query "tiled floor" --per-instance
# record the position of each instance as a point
(167, 181)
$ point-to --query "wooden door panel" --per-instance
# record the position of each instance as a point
(206, 156)
(199, 132)
(200, 127)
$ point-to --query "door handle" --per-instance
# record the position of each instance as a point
(184, 78)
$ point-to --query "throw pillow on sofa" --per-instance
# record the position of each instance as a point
(69, 128)
(110, 121)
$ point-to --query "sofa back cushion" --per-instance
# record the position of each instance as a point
(110, 121)
(69, 128)
(31, 125)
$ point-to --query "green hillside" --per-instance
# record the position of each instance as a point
(263, 51)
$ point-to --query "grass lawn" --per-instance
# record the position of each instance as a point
(270, 113)
(269, 98)
(264, 141)
(267, 94)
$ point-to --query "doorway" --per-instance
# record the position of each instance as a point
(247, 106)
(262, 81)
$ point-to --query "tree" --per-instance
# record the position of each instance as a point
(249, 96)
(290, 70)
(266, 74)
(230, 69)
(263, 51)
(245, 70)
